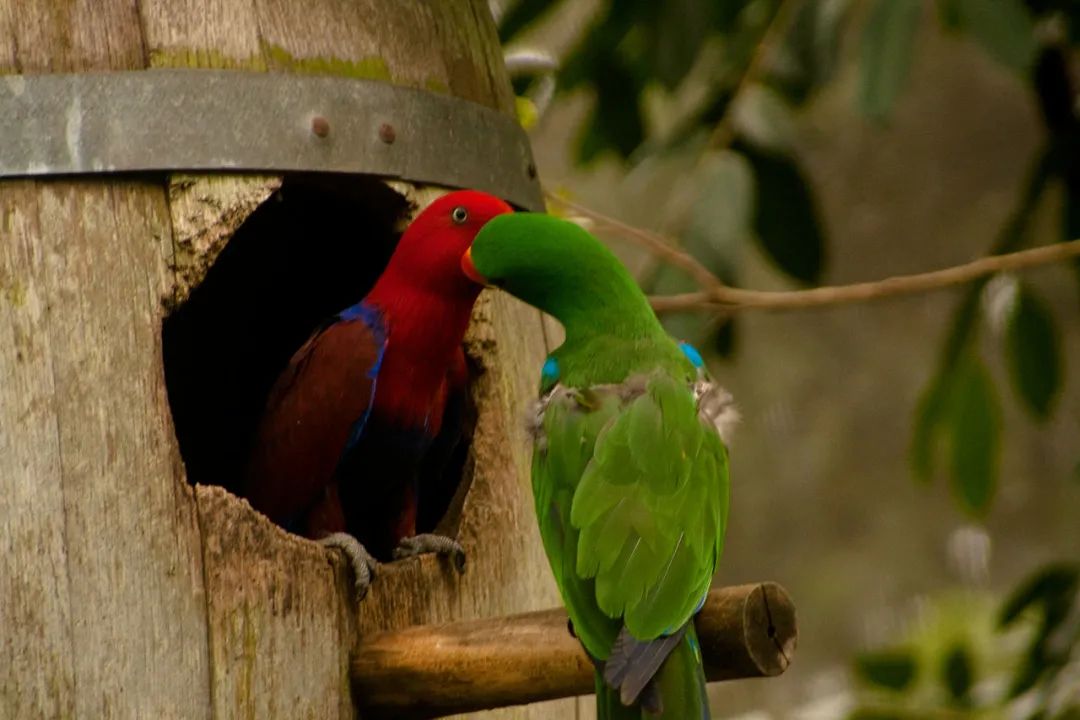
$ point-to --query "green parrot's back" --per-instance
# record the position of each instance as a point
(630, 484)
(630, 472)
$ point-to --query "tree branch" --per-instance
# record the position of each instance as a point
(716, 296)
(654, 242)
(430, 671)
(737, 298)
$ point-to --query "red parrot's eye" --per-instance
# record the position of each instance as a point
(459, 215)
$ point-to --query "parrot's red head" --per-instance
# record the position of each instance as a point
(425, 299)
(428, 256)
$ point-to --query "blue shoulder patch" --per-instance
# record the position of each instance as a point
(370, 316)
(692, 354)
(550, 372)
(362, 311)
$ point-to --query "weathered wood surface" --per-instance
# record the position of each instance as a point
(123, 592)
(101, 576)
(427, 671)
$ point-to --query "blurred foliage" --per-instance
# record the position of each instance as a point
(971, 659)
(737, 140)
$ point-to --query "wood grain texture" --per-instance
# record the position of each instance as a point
(421, 672)
(201, 34)
(37, 678)
(107, 566)
(281, 636)
(69, 36)
(123, 592)
(206, 210)
(101, 580)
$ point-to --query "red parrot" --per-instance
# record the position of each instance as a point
(365, 416)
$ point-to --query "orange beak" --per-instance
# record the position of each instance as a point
(469, 269)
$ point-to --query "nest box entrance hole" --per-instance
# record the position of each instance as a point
(313, 248)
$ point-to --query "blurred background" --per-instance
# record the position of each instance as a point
(908, 468)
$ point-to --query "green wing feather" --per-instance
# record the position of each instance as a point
(632, 499)
(561, 455)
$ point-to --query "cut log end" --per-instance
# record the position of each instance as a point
(744, 631)
(751, 632)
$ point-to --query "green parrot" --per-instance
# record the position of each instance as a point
(630, 469)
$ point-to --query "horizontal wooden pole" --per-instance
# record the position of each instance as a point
(745, 631)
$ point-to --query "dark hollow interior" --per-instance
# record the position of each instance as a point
(312, 249)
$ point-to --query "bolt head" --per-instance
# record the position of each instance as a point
(320, 126)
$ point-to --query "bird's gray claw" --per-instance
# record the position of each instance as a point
(363, 564)
(431, 543)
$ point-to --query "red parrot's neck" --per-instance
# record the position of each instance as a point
(423, 356)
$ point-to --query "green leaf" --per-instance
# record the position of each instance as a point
(885, 59)
(597, 50)
(763, 117)
(935, 407)
(1033, 353)
(526, 112)
(616, 122)
(718, 229)
(957, 674)
(929, 417)
(726, 14)
(891, 669)
(786, 216)
(975, 435)
(808, 56)
(721, 217)
(521, 15)
(1045, 586)
(1004, 28)
(680, 32)
(1028, 673)
(949, 14)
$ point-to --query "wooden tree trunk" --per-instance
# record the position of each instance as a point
(125, 592)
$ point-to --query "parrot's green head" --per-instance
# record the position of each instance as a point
(558, 267)
(554, 265)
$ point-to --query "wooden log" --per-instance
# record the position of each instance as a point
(428, 671)
(102, 610)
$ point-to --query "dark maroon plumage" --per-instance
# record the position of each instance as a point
(309, 416)
(365, 416)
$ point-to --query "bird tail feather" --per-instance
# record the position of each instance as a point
(676, 692)
(608, 705)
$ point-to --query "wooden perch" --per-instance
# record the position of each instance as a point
(745, 631)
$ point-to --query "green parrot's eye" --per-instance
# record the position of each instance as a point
(459, 215)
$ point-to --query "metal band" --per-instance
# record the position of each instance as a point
(211, 120)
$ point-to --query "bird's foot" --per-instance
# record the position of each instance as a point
(430, 543)
(363, 564)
